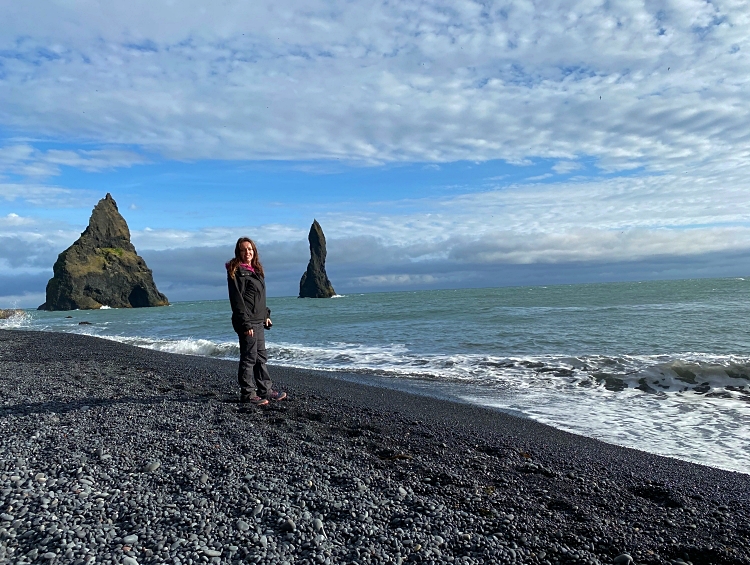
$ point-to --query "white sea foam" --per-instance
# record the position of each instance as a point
(189, 346)
(19, 320)
(700, 375)
(693, 406)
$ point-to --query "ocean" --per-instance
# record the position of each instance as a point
(661, 366)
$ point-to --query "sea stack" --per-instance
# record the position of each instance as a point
(102, 268)
(315, 283)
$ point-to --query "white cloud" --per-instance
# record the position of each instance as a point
(564, 167)
(162, 239)
(623, 219)
(93, 160)
(44, 195)
(540, 177)
(593, 245)
(631, 84)
(28, 161)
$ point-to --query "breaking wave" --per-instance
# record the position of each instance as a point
(702, 375)
(17, 320)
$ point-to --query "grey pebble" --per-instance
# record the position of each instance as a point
(623, 559)
(131, 539)
(152, 466)
(289, 526)
(242, 526)
(211, 553)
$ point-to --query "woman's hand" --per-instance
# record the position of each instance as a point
(268, 324)
(249, 332)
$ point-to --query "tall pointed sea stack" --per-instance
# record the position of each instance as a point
(102, 268)
(315, 283)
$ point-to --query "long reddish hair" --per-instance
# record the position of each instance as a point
(234, 264)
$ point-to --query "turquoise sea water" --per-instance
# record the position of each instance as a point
(661, 366)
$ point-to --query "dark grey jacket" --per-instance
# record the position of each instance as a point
(247, 295)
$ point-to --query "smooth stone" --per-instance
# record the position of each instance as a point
(289, 526)
(49, 555)
(623, 559)
(129, 540)
(318, 525)
(211, 553)
(152, 466)
(204, 479)
(242, 526)
(127, 560)
(263, 541)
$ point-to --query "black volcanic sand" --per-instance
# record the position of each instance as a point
(114, 454)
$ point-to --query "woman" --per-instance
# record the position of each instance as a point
(250, 316)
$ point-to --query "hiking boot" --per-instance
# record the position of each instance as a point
(257, 400)
(277, 395)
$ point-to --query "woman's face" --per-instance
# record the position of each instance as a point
(246, 252)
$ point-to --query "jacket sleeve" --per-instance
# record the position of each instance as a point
(237, 302)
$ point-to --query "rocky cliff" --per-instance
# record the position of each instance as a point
(315, 283)
(102, 268)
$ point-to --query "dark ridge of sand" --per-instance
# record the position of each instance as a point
(342, 472)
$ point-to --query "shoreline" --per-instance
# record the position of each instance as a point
(363, 474)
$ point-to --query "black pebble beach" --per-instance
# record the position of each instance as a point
(114, 454)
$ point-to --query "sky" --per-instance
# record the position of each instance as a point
(439, 144)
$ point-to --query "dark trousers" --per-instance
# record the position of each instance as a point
(253, 375)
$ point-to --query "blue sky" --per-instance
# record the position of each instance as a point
(439, 144)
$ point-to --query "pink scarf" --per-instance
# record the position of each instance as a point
(243, 265)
